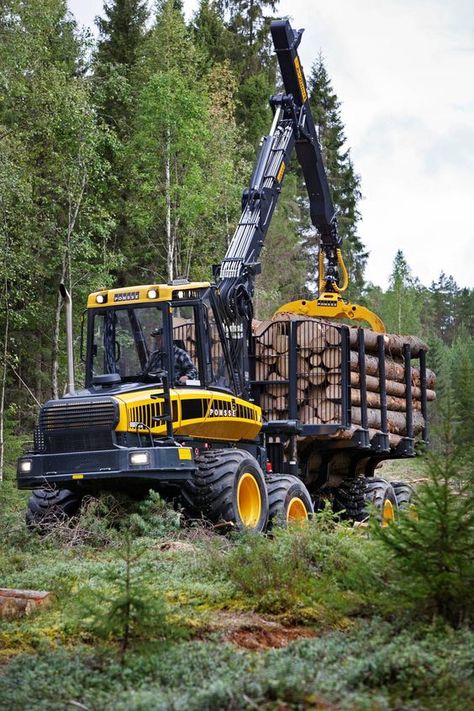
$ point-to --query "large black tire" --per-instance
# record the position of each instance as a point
(349, 499)
(381, 494)
(229, 487)
(47, 507)
(404, 493)
(354, 498)
(289, 500)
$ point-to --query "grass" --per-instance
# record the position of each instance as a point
(190, 591)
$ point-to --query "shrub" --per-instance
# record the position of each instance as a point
(123, 603)
(431, 547)
(315, 572)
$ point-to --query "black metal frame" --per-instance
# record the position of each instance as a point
(280, 435)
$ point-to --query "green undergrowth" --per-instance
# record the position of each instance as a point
(374, 667)
(318, 573)
(141, 605)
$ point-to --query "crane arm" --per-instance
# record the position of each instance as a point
(292, 127)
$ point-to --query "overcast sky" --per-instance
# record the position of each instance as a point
(404, 71)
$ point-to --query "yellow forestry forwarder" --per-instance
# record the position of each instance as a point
(171, 398)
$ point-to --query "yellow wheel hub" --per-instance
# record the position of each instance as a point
(249, 500)
(388, 512)
(297, 511)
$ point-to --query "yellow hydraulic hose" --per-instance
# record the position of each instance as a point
(322, 275)
(345, 275)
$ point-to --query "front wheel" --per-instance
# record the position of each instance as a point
(228, 487)
(289, 500)
(47, 507)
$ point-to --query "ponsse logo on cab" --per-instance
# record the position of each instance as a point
(223, 411)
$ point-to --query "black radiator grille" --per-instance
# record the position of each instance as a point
(76, 426)
(88, 414)
(78, 442)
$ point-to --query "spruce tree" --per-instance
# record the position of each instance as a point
(239, 31)
(443, 303)
(402, 304)
(343, 181)
(121, 33)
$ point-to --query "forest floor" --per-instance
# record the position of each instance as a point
(148, 614)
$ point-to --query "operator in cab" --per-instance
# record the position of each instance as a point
(184, 368)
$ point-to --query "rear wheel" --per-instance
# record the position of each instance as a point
(404, 493)
(49, 506)
(354, 497)
(228, 487)
(289, 500)
(381, 494)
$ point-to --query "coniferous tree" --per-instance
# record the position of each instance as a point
(432, 564)
(402, 306)
(443, 303)
(343, 180)
(239, 31)
(117, 81)
(121, 33)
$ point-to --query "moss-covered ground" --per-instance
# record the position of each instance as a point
(148, 614)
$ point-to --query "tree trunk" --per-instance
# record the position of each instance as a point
(170, 242)
(398, 404)
(393, 371)
(396, 420)
(391, 386)
(393, 343)
(4, 379)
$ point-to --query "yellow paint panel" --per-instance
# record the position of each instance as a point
(301, 84)
(281, 172)
(223, 419)
(184, 453)
(139, 294)
(78, 476)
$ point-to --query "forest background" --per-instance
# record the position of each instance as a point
(123, 159)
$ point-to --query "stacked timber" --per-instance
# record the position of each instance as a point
(319, 375)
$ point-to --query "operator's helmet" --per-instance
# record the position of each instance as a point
(157, 331)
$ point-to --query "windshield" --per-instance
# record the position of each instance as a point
(124, 339)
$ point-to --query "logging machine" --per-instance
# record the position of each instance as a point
(172, 381)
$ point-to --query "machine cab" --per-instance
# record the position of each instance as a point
(134, 333)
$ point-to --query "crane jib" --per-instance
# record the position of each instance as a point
(292, 127)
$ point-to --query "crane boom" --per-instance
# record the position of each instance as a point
(292, 127)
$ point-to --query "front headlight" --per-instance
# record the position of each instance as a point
(25, 466)
(139, 458)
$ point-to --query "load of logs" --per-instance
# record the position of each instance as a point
(319, 375)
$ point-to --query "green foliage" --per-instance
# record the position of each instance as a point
(401, 308)
(373, 667)
(432, 568)
(121, 31)
(154, 518)
(317, 572)
(123, 604)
